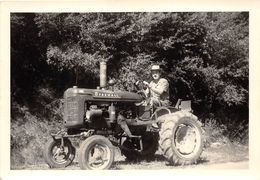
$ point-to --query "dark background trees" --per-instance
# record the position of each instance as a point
(204, 56)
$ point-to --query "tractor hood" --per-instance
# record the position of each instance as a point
(103, 95)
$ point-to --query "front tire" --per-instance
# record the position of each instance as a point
(96, 153)
(57, 156)
(181, 138)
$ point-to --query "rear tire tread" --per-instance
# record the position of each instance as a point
(166, 134)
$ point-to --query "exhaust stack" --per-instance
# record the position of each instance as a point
(103, 74)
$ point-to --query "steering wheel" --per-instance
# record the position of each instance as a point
(141, 91)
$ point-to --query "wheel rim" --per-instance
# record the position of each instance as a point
(98, 156)
(187, 140)
(60, 154)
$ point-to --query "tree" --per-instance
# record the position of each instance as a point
(26, 64)
(204, 55)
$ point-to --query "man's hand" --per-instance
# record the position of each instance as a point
(146, 83)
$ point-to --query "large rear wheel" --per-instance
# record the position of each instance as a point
(96, 153)
(181, 138)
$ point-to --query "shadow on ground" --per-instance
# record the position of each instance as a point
(156, 161)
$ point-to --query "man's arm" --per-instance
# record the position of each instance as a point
(162, 86)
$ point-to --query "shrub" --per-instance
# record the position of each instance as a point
(30, 131)
(214, 131)
(225, 130)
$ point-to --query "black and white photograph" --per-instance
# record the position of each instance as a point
(129, 90)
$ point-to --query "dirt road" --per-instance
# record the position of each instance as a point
(227, 156)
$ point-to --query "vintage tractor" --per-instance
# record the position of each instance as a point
(103, 119)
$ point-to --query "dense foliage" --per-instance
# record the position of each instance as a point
(203, 55)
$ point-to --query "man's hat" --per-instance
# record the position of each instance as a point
(156, 68)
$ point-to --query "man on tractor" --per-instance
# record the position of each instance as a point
(157, 89)
(105, 118)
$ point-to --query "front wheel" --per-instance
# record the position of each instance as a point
(58, 156)
(181, 138)
(96, 153)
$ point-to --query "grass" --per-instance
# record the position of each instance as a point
(225, 133)
(30, 131)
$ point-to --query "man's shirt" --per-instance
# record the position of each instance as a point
(161, 85)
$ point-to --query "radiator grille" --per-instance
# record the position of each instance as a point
(72, 109)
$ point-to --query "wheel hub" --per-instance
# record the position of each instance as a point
(98, 156)
(186, 139)
(60, 154)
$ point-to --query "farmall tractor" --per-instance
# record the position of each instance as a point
(103, 119)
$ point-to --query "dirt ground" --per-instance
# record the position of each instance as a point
(217, 156)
